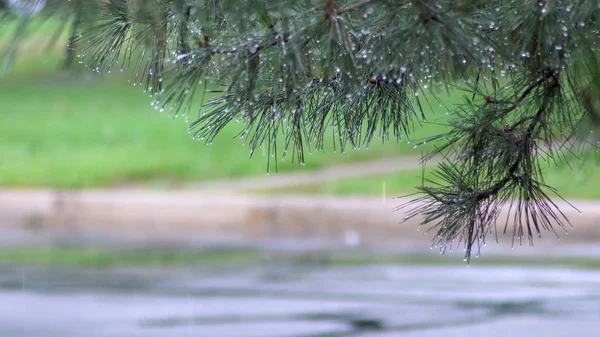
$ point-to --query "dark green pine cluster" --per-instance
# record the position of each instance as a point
(288, 70)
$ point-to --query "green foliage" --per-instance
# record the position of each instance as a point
(289, 70)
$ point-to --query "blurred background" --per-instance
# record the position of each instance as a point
(115, 222)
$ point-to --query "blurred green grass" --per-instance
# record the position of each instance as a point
(77, 129)
(80, 257)
(60, 131)
(90, 257)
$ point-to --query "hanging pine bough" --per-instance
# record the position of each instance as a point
(288, 70)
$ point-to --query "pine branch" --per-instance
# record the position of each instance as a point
(478, 184)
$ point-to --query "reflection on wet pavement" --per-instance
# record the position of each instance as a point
(292, 301)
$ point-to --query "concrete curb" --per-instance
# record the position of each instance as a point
(148, 218)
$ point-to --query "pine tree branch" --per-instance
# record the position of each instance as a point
(528, 137)
(511, 173)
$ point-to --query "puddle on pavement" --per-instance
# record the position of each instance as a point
(292, 301)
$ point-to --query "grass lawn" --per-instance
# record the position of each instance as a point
(105, 258)
(62, 130)
(87, 257)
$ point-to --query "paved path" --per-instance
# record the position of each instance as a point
(310, 177)
(272, 300)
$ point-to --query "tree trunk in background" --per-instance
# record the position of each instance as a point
(72, 43)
